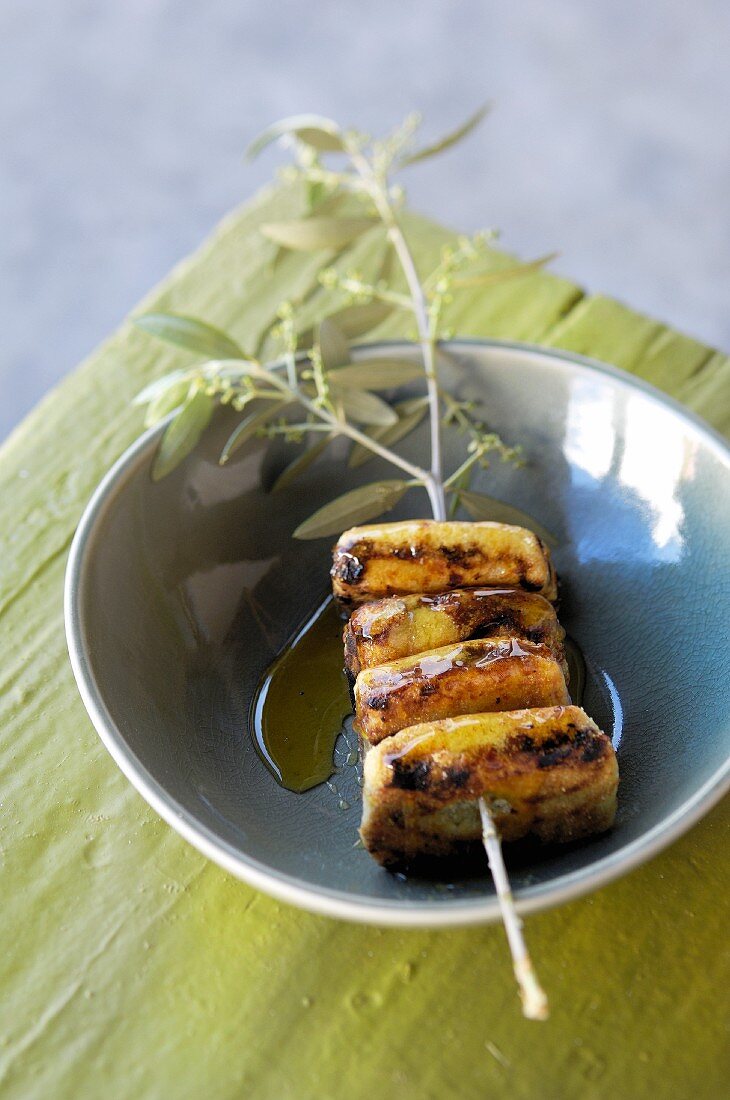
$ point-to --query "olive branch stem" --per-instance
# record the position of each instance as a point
(379, 193)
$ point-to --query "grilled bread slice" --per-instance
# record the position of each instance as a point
(485, 674)
(399, 626)
(548, 772)
(426, 556)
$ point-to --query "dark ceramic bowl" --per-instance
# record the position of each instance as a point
(179, 594)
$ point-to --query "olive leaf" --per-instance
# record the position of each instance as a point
(502, 274)
(410, 414)
(358, 319)
(191, 334)
(375, 374)
(301, 463)
(316, 194)
(166, 400)
(319, 132)
(152, 391)
(366, 408)
(331, 201)
(248, 428)
(234, 369)
(333, 344)
(182, 434)
(357, 506)
(321, 140)
(447, 141)
(273, 266)
(317, 232)
(482, 507)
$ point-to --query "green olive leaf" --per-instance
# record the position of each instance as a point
(357, 506)
(321, 140)
(331, 201)
(191, 334)
(152, 391)
(358, 319)
(268, 346)
(447, 141)
(502, 274)
(301, 463)
(166, 400)
(333, 344)
(366, 408)
(248, 428)
(182, 434)
(410, 414)
(234, 369)
(318, 132)
(273, 267)
(316, 194)
(375, 374)
(318, 232)
(482, 507)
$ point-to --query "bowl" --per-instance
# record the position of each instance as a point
(180, 593)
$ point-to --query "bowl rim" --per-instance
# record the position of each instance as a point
(287, 888)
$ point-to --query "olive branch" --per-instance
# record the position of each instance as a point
(310, 389)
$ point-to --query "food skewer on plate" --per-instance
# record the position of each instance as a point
(466, 738)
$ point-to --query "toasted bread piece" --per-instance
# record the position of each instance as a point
(468, 678)
(547, 772)
(400, 626)
(426, 556)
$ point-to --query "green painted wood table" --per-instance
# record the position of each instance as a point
(132, 967)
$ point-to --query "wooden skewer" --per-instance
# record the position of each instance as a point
(534, 999)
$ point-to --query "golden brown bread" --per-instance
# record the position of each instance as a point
(399, 626)
(487, 674)
(548, 772)
(456, 634)
(426, 556)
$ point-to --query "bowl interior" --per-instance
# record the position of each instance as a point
(184, 591)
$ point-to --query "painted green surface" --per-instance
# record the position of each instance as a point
(131, 967)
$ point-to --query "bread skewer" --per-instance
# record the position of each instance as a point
(414, 561)
(446, 556)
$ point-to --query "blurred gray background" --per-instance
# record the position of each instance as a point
(122, 127)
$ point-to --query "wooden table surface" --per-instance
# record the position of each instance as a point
(132, 967)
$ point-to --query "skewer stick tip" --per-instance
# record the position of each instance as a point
(533, 997)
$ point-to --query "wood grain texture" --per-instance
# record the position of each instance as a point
(131, 967)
